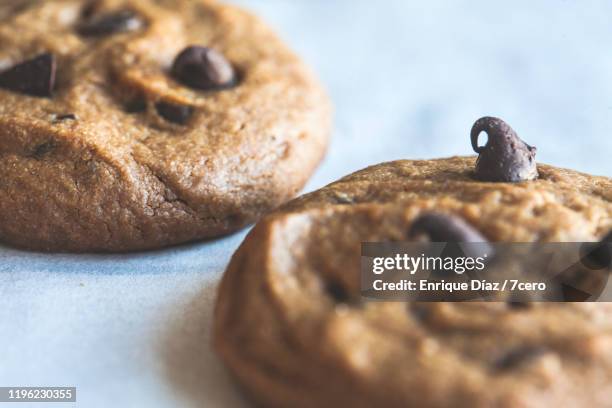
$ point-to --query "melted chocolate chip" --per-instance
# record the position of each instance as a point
(110, 23)
(518, 357)
(203, 68)
(179, 114)
(505, 157)
(34, 77)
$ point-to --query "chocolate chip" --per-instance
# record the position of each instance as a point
(518, 357)
(34, 77)
(179, 114)
(110, 23)
(597, 255)
(203, 68)
(420, 311)
(43, 149)
(441, 227)
(136, 105)
(519, 301)
(89, 9)
(337, 292)
(572, 294)
(63, 116)
(518, 305)
(505, 157)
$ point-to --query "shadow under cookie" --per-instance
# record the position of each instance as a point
(188, 363)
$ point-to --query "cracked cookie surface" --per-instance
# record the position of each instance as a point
(123, 156)
(292, 328)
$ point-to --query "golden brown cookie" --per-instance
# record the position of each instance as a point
(134, 124)
(293, 329)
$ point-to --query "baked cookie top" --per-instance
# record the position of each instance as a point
(132, 124)
(293, 328)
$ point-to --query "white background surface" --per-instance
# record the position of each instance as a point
(408, 79)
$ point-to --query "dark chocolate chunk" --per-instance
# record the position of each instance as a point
(518, 357)
(110, 23)
(179, 114)
(34, 77)
(505, 157)
(203, 68)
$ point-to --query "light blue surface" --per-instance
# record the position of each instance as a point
(408, 79)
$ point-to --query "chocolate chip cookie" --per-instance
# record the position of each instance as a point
(135, 124)
(292, 326)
